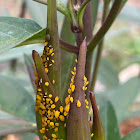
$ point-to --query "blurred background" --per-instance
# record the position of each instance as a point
(120, 63)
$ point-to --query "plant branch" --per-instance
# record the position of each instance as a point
(68, 47)
(52, 25)
(100, 47)
(106, 25)
(83, 5)
(60, 7)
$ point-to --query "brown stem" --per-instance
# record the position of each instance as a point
(106, 25)
(68, 47)
(100, 47)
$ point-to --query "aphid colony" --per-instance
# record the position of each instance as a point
(44, 103)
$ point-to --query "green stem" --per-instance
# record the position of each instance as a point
(83, 5)
(100, 47)
(106, 25)
(52, 25)
(60, 7)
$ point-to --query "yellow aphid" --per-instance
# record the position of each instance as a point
(46, 43)
(48, 58)
(56, 114)
(56, 124)
(46, 70)
(56, 99)
(46, 83)
(42, 130)
(78, 103)
(53, 106)
(73, 73)
(52, 54)
(51, 102)
(74, 68)
(42, 106)
(53, 81)
(52, 61)
(39, 89)
(61, 109)
(56, 129)
(92, 134)
(67, 100)
(38, 97)
(76, 60)
(65, 125)
(51, 50)
(48, 121)
(87, 82)
(90, 112)
(44, 119)
(67, 108)
(54, 136)
(69, 91)
(50, 95)
(86, 101)
(84, 88)
(44, 137)
(61, 117)
(65, 113)
(51, 123)
(72, 88)
(37, 108)
(87, 107)
(85, 79)
(50, 65)
(71, 99)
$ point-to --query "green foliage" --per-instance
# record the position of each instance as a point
(14, 30)
(135, 135)
(115, 101)
(123, 96)
(10, 91)
(15, 126)
(109, 121)
(108, 75)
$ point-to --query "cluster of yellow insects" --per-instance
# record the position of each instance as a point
(44, 103)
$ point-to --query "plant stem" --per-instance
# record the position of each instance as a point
(83, 5)
(68, 47)
(60, 7)
(52, 25)
(100, 48)
(88, 29)
(106, 25)
(87, 21)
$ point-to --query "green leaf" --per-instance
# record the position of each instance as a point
(37, 37)
(14, 30)
(135, 135)
(10, 126)
(38, 12)
(123, 96)
(20, 51)
(5, 115)
(94, 6)
(107, 74)
(15, 99)
(31, 70)
(109, 121)
(29, 136)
